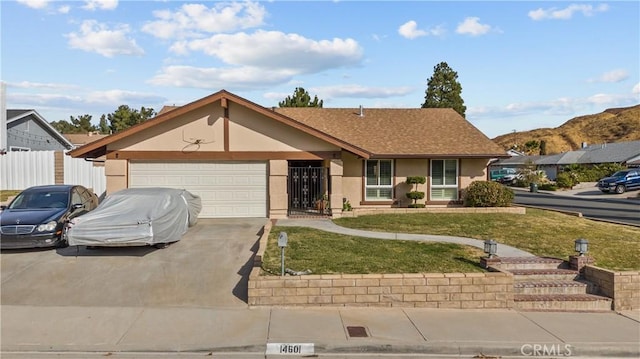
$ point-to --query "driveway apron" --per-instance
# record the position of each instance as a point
(208, 267)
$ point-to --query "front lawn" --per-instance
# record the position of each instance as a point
(327, 253)
(543, 233)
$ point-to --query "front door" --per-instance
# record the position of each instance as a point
(307, 189)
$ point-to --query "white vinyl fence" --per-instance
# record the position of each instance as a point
(19, 170)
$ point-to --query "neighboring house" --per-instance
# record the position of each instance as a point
(28, 131)
(624, 153)
(245, 160)
(81, 139)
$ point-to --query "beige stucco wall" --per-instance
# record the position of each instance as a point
(249, 131)
(205, 124)
(278, 198)
(116, 172)
(473, 169)
(352, 178)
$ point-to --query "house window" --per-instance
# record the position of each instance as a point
(379, 180)
(18, 149)
(444, 180)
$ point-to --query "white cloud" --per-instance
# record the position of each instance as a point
(472, 26)
(64, 9)
(99, 38)
(410, 30)
(35, 4)
(40, 85)
(273, 50)
(359, 91)
(217, 78)
(636, 89)
(83, 101)
(100, 4)
(195, 20)
(612, 76)
(566, 13)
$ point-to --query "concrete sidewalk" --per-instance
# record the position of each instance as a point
(73, 332)
(328, 226)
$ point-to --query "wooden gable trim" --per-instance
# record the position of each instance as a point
(98, 148)
(226, 155)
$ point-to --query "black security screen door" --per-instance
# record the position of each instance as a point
(307, 190)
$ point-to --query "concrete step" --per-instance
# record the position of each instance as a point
(509, 263)
(553, 287)
(531, 275)
(562, 302)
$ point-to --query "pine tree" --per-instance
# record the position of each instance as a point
(444, 90)
(301, 98)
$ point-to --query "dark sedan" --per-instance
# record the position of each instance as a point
(38, 215)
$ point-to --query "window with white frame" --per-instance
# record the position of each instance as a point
(444, 180)
(379, 180)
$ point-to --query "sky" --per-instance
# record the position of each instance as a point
(522, 65)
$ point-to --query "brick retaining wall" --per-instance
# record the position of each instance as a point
(430, 290)
(623, 287)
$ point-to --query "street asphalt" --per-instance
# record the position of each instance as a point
(164, 331)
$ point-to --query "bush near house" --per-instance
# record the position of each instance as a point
(593, 173)
(415, 195)
(566, 180)
(487, 194)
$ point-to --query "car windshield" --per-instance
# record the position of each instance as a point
(620, 174)
(40, 199)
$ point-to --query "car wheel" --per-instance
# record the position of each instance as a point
(620, 189)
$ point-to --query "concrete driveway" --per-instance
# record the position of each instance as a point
(208, 267)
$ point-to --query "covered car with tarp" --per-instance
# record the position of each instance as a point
(137, 217)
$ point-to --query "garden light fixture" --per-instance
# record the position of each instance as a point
(490, 247)
(581, 246)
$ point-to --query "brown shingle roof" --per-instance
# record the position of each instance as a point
(411, 132)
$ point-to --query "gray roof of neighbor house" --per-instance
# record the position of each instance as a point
(619, 152)
(14, 115)
(398, 133)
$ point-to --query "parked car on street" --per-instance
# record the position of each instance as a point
(137, 217)
(37, 216)
(504, 175)
(620, 181)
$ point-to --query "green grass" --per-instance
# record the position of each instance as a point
(327, 253)
(543, 233)
(5, 194)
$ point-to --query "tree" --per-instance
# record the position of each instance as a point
(301, 98)
(543, 147)
(444, 90)
(103, 127)
(125, 117)
(80, 124)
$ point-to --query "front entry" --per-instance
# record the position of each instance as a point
(307, 189)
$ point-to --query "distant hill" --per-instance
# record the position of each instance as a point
(612, 125)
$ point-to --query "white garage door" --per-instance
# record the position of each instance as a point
(227, 189)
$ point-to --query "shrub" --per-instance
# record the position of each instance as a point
(547, 186)
(566, 180)
(488, 194)
(416, 195)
